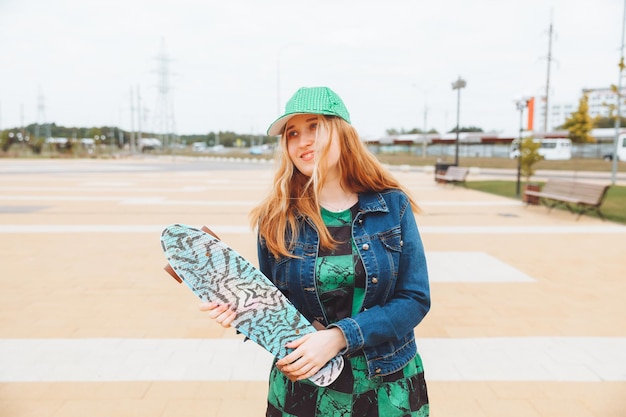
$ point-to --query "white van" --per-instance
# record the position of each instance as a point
(199, 147)
(551, 149)
(149, 144)
(621, 149)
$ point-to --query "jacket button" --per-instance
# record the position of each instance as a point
(374, 280)
(402, 243)
(366, 246)
(378, 370)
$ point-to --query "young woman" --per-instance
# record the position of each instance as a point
(337, 235)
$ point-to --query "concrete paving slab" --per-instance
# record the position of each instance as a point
(581, 359)
(86, 266)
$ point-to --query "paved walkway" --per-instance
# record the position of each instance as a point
(528, 317)
(583, 359)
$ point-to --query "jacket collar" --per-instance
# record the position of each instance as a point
(369, 202)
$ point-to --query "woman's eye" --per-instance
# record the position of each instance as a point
(292, 134)
(313, 126)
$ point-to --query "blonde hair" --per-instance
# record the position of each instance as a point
(294, 194)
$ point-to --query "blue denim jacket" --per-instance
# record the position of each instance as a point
(397, 295)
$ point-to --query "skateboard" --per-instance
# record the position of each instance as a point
(214, 271)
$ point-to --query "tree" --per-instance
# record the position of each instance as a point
(580, 123)
(529, 156)
(608, 122)
(6, 140)
(466, 129)
(415, 130)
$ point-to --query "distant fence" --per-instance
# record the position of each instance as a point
(484, 150)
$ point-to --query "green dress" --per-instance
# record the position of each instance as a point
(340, 279)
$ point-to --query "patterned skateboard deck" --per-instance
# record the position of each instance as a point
(214, 271)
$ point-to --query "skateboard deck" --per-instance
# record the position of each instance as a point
(215, 271)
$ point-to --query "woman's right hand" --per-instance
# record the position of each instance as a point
(222, 313)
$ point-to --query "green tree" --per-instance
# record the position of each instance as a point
(415, 130)
(608, 122)
(529, 156)
(227, 138)
(580, 123)
(6, 140)
(466, 129)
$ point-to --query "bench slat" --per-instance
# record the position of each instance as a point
(583, 194)
(453, 174)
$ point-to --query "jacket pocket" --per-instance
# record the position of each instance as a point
(392, 239)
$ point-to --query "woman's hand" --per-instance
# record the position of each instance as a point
(312, 352)
(222, 313)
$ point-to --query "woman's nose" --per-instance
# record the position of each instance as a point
(307, 138)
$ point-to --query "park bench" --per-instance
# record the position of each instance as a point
(573, 194)
(453, 174)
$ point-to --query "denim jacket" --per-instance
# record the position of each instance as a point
(397, 295)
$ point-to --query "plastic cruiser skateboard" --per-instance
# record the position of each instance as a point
(214, 271)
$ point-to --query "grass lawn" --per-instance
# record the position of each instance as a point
(613, 208)
(597, 165)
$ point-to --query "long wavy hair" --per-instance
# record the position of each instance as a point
(295, 195)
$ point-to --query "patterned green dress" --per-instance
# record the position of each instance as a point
(341, 285)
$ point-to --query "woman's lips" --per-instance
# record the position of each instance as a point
(307, 156)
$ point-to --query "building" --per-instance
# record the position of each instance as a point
(558, 114)
(602, 101)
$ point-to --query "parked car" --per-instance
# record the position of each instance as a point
(621, 150)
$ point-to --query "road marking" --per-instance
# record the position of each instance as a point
(457, 230)
(577, 359)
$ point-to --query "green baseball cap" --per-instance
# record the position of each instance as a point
(310, 100)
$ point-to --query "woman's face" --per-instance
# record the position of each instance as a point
(305, 139)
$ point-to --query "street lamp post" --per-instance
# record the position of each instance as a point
(521, 105)
(457, 85)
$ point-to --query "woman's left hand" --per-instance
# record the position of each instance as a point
(312, 352)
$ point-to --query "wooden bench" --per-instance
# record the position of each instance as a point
(582, 195)
(453, 175)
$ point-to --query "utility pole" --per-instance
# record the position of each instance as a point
(164, 114)
(41, 111)
(521, 105)
(425, 133)
(138, 116)
(547, 107)
(23, 129)
(41, 116)
(424, 138)
(133, 148)
(618, 120)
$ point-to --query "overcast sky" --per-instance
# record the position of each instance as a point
(230, 62)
